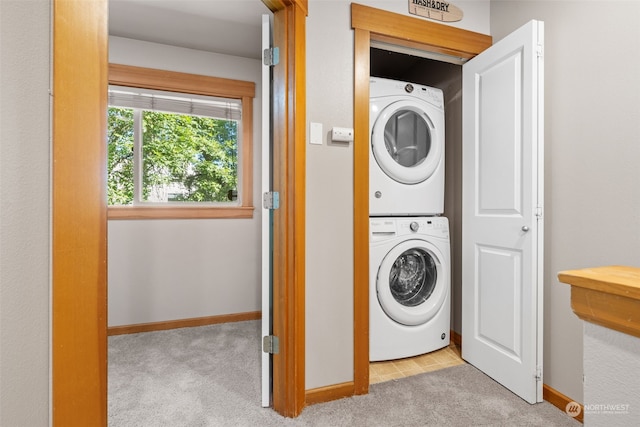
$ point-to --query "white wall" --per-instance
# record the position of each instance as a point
(592, 123)
(612, 377)
(175, 269)
(24, 212)
(329, 268)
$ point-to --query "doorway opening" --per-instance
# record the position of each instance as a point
(418, 67)
(79, 212)
(370, 26)
(446, 76)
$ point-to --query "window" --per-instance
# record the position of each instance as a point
(165, 149)
(179, 145)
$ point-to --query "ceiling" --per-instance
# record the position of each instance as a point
(230, 27)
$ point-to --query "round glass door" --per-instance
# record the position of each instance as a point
(411, 285)
(405, 143)
(413, 277)
(407, 138)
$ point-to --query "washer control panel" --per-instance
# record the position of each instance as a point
(389, 227)
(432, 226)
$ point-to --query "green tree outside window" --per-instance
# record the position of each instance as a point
(185, 158)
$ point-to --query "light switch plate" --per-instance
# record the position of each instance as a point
(315, 133)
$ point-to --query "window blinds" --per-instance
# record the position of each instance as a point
(173, 102)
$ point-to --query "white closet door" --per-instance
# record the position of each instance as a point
(502, 211)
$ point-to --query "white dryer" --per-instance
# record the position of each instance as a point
(406, 156)
(410, 295)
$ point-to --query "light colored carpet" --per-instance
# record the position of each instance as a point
(210, 376)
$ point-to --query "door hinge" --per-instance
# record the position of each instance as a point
(540, 51)
(271, 56)
(538, 212)
(270, 344)
(271, 200)
(538, 373)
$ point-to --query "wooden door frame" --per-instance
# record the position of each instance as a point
(379, 25)
(79, 211)
(289, 163)
(79, 214)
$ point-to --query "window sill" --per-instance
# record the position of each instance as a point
(173, 212)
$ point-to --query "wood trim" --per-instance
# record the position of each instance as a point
(329, 393)
(289, 128)
(171, 212)
(183, 323)
(246, 146)
(405, 31)
(615, 312)
(298, 123)
(560, 401)
(456, 338)
(423, 34)
(615, 279)
(151, 78)
(79, 214)
(280, 393)
(276, 5)
(607, 296)
(297, 182)
(361, 212)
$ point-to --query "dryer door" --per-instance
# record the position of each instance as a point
(405, 141)
(411, 283)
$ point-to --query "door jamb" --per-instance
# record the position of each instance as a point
(79, 214)
(289, 128)
(375, 24)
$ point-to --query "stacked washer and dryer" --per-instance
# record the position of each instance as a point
(409, 259)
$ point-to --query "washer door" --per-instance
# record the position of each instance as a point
(405, 143)
(411, 283)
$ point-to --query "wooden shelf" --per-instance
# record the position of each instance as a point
(608, 296)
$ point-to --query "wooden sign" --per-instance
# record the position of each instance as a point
(438, 10)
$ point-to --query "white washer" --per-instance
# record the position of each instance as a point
(410, 281)
(406, 156)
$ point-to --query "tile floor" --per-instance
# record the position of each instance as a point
(393, 369)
